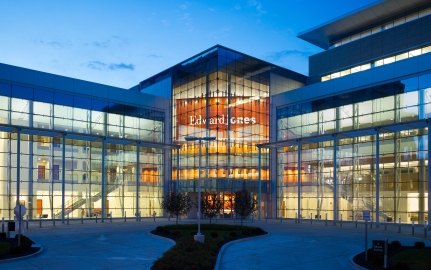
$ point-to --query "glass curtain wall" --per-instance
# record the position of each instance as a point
(392, 178)
(229, 99)
(49, 162)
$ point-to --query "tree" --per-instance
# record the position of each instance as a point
(244, 204)
(177, 203)
(211, 204)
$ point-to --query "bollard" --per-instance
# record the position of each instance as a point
(53, 221)
(110, 217)
(386, 226)
(82, 219)
(26, 224)
(356, 224)
(96, 218)
(399, 225)
(139, 216)
(311, 218)
(341, 221)
(2, 224)
(366, 240)
(125, 217)
(67, 221)
(40, 221)
(426, 229)
(296, 217)
(413, 228)
(326, 219)
(385, 255)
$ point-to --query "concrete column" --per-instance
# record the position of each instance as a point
(103, 198)
(259, 181)
(137, 172)
(63, 177)
(299, 181)
(18, 165)
(334, 177)
(30, 165)
(377, 140)
(177, 188)
(429, 174)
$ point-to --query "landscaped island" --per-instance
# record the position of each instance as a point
(417, 257)
(189, 254)
(9, 247)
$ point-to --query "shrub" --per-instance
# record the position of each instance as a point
(401, 266)
(376, 258)
(419, 244)
(246, 232)
(257, 231)
(162, 230)
(233, 234)
(25, 244)
(395, 244)
(2, 236)
(4, 247)
(25, 241)
(214, 234)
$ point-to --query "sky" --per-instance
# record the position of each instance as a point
(122, 42)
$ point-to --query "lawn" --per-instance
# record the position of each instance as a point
(9, 247)
(399, 257)
(416, 259)
(189, 254)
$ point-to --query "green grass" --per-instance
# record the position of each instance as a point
(189, 254)
(416, 259)
(4, 247)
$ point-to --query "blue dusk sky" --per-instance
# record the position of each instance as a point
(123, 42)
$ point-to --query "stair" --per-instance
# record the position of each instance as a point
(72, 205)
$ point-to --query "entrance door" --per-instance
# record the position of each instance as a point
(39, 207)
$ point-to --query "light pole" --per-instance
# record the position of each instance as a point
(199, 237)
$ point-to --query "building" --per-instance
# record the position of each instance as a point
(225, 94)
(72, 149)
(351, 137)
(356, 137)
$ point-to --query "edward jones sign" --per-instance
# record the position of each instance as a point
(222, 120)
(216, 113)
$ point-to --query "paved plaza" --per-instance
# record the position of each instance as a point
(129, 245)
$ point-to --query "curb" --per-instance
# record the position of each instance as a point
(220, 254)
(357, 266)
(26, 256)
(161, 237)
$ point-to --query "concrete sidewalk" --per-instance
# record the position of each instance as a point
(306, 246)
(116, 245)
(129, 245)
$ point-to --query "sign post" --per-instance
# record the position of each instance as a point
(19, 212)
(381, 247)
(366, 217)
(366, 240)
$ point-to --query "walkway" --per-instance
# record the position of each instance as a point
(129, 245)
(116, 245)
(306, 246)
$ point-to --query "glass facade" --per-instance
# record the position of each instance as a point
(227, 98)
(363, 150)
(72, 156)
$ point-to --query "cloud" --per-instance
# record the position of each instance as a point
(106, 43)
(122, 66)
(277, 56)
(56, 43)
(257, 6)
(185, 5)
(98, 65)
(153, 55)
